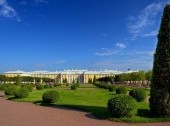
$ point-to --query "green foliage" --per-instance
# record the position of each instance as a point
(10, 90)
(122, 106)
(73, 87)
(94, 79)
(46, 86)
(106, 79)
(112, 88)
(18, 80)
(139, 94)
(28, 86)
(2, 87)
(121, 90)
(105, 86)
(39, 87)
(50, 96)
(22, 92)
(65, 81)
(90, 81)
(160, 86)
(57, 85)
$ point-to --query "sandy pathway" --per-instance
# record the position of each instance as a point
(27, 114)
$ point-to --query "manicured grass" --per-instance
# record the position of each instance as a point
(93, 100)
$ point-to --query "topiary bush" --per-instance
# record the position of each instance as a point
(73, 87)
(10, 90)
(50, 96)
(121, 90)
(139, 94)
(22, 93)
(112, 88)
(39, 87)
(122, 106)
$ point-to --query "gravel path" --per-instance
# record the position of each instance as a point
(27, 114)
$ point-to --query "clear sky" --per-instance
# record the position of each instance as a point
(78, 34)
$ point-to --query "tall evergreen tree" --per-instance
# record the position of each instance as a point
(160, 86)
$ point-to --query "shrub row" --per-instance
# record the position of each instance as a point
(106, 86)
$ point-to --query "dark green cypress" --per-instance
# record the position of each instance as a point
(160, 86)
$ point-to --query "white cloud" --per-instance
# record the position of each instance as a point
(120, 45)
(7, 11)
(144, 24)
(106, 52)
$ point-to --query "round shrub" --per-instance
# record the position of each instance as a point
(10, 90)
(50, 96)
(39, 87)
(139, 94)
(112, 88)
(73, 87)
(122, 106)
(121, 90)
(22, 93)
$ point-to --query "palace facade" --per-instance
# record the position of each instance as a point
(82, 76)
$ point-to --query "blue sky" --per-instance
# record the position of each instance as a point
(78, 34)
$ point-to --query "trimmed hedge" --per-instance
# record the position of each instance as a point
(122, 106)
(22, 93)
(50, 96)
(139, 94)
(56, 85)
(121, 90)
(39, 87)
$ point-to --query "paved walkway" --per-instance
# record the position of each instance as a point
(27, 114)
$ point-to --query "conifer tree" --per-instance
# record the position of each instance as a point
(160, 85)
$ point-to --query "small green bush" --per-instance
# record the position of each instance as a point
(112, 88)
(2, 87)
(122, 106)
(22, 93)
(46, 86)
(56, 85)
(39, 87)
(139, 94)
(67, 84)
(73, 87)
(28, 86)
(121, 90)
(10, 90)
(50, 96)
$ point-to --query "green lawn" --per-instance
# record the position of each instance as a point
(93, 100)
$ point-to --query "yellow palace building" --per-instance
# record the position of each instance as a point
(82, 76)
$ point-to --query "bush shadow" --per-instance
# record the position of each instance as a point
(94, 112)
(143, 113)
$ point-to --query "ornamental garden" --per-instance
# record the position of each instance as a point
(131, 97)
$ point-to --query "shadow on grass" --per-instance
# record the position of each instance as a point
(144, 113)
(95, 112)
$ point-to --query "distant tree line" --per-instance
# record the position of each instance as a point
(5, 79)
(140, 77)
